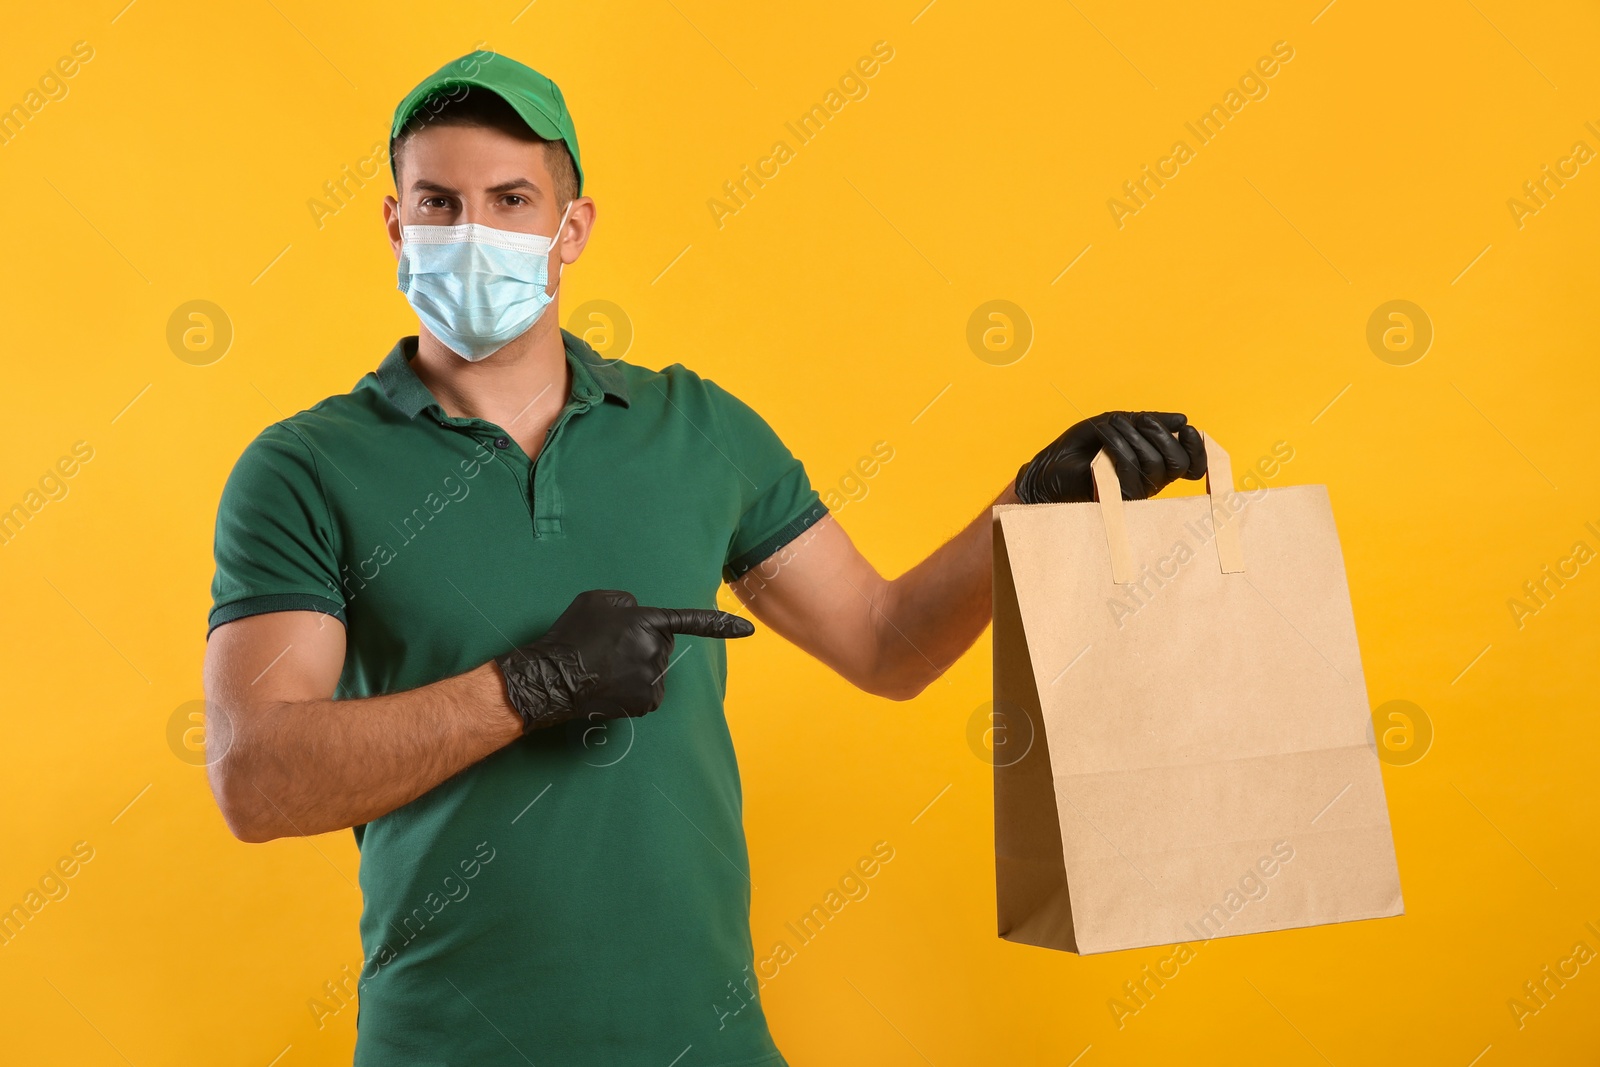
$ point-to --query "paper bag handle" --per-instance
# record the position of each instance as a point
(1219, 472)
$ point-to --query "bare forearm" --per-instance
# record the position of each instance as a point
(934, 612)
(310, 767)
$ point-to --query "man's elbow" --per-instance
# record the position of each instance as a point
(251, 833)
(247, 823)
(899, 685)
(247, 818)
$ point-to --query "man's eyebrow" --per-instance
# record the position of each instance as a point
(514, 183)
(424, 185)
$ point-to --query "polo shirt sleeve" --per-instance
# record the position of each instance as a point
(275, 543)
(777, 503)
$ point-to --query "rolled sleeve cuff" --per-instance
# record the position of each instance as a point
(737, 567)
(262, 605)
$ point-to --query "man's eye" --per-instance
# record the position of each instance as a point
(436, 201)
(514, 200)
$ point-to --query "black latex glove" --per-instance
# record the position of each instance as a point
(605, 657)
(1142, 447)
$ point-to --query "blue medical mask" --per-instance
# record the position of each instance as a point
(477, 288)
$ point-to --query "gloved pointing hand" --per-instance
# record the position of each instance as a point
(1142, 448)
(605, 657)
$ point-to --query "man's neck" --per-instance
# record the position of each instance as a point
(521, 388)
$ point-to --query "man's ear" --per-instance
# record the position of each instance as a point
(580, 225)
(571, 241)
(391, 222)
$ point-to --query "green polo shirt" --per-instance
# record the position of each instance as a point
(582, 896)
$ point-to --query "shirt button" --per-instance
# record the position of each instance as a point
(502, 442)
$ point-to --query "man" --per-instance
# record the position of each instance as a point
(427, 625)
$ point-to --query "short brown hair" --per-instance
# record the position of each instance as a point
(464, 107)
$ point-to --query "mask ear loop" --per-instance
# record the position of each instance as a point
(555, 242)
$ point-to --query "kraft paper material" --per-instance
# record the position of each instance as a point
(1186, 753)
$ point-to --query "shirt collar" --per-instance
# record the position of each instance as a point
(592, 376)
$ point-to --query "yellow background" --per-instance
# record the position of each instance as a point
(978, 167)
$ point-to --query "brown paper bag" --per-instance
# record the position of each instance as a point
(1183, 747)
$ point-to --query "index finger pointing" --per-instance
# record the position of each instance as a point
(698, 622)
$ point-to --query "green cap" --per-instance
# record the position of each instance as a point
(533, 96)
